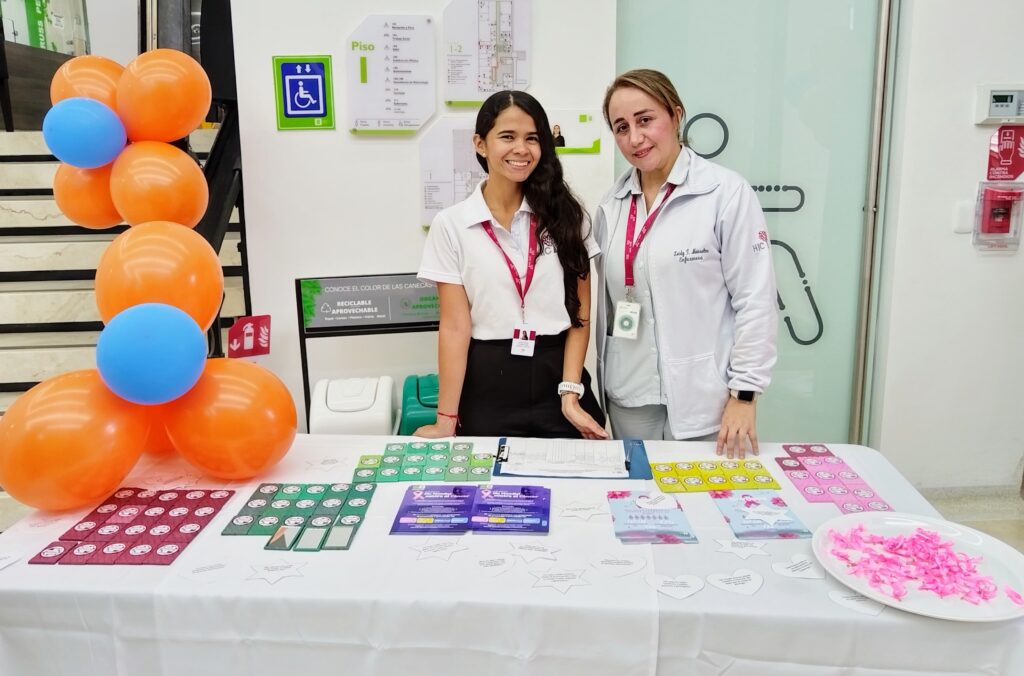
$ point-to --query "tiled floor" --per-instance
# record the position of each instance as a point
(998, 512)
(10, 511)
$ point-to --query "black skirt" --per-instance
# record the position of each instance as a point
(507, 395)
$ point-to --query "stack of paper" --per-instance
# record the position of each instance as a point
(564, 458)
(457, 509)
(759, 515)
(649, 518)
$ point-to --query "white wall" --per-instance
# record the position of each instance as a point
(325, 203)
(948, 401)
(113, 29)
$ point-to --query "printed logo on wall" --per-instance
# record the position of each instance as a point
(763, 239)
(304, 92)
(249, 337)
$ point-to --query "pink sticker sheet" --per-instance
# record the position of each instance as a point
(821, 476)
(136, 527)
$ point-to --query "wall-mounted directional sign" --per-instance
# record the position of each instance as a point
(304, 92)
(390, 71)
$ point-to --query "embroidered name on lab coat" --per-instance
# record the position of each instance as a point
(690, 255)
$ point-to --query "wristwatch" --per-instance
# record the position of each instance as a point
(565, 387)
(743, 395)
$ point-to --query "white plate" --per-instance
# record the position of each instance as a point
(1000, 561)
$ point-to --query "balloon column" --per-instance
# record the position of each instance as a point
(72, 439)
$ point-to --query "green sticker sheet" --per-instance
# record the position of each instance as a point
(425, 461)
(305, 517)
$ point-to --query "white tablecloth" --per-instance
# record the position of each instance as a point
(378, 609)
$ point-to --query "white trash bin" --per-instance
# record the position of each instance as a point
(352, 406)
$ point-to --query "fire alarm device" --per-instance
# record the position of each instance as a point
(998, 216)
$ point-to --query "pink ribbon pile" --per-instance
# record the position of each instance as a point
(890, 563)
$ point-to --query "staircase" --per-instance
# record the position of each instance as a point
(49, 323)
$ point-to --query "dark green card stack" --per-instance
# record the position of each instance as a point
(304, 517)
(425, 461)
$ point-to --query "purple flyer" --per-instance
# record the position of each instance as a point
(510, 508)
(436, 508)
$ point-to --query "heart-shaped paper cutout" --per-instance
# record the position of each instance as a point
(799, 566)
(678, 587)
(740, 581)
(854, 601)
(618, 566)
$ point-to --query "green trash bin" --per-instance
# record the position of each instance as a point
(419, 403)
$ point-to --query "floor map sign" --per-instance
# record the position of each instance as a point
(448, 166)
(486, 49)
(304, 92)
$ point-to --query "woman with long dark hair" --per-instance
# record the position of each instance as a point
(512, 267)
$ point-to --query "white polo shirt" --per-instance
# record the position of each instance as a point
(459, 251)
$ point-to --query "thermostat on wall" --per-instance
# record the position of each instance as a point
(999, 104)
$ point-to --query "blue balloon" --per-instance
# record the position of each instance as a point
(151, 353)
(83, 132)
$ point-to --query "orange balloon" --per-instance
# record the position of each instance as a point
(163, 95)
(158, 444)
(160, 262)
(94, 77)
(237, 421)
(153, 181)
(69, 442)
(83, 195)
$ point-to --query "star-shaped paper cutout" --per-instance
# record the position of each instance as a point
(532, 551)
(495, 564)
(45, 521)
(323, 464)
(207, 572)
(742, 548)
(438, 549)
(276, 571)
(582, 510)
(8, 559)
(559, 578)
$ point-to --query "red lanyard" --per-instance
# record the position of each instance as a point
(633, 247)
(531, 258)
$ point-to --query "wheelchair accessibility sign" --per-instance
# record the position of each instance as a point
(305, 95)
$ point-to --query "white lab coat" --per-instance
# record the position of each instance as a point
(709, 259)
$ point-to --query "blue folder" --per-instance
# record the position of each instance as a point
(636, 459)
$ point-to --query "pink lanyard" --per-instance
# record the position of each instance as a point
(633, 247)
(531, 259)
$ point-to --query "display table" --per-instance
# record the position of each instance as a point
(384, 607)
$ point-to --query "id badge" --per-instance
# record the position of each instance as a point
(627, 320)
(524, 339)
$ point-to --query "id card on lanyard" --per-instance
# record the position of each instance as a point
(627, 312)
(524, 339)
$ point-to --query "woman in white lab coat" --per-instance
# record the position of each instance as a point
(686, 322)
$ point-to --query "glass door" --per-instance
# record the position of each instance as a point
(782, 92)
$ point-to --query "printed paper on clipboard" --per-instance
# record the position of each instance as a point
(563, 458)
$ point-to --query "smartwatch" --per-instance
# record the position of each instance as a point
(743, 395)
(565, 387)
